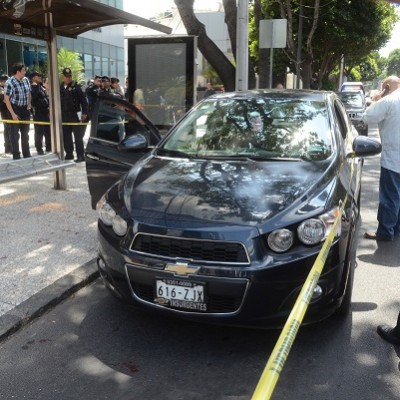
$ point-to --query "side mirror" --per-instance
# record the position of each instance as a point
(365, 146)
(134, 142)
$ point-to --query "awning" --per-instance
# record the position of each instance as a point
(70, 17)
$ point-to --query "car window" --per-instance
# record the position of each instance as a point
(341, 118)
(115, 122)
(278, 127)
(352, 99)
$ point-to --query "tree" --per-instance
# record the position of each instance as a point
(216, 58)
(393, 63)
(331, 29)
(70, 59)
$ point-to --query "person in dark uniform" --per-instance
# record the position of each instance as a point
(106, 85)
(73, 101)
(4, 116)
(40, 107)
(92, 93)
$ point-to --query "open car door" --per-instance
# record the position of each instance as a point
(114, 120)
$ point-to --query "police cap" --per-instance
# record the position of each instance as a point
(67, 72)
(35, 73)
(105, 79)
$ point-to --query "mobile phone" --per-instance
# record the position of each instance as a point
(386, 90)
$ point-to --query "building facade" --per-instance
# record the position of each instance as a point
(101, 50)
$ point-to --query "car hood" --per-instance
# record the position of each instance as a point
(163, 191)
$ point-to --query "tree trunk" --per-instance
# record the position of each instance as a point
(217, 59)
(208, 48)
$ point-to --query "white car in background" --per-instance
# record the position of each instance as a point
(352, 86)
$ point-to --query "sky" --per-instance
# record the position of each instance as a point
(394, 42)
(150, 8)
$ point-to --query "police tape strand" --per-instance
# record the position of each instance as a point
(277, 359)
(13, 121)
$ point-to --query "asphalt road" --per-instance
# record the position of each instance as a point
(93, 347)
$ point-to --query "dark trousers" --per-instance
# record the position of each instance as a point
(389, 204)
(23, 128)
(78, 132)
(42, 131)
(7, 137)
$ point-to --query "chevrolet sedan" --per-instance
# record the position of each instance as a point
(222, 219)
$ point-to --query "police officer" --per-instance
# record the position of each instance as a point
(92, 93)
(40, 107)
(73, 101)
(106, 86)
(4, 116)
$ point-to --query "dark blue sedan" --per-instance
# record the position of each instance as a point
(222, 219)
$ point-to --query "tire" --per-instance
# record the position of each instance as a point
(345, 307)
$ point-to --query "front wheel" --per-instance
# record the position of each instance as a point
(345, 306)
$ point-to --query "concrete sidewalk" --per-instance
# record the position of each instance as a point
(48, 243)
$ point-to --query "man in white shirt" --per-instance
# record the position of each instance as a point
(386, 112)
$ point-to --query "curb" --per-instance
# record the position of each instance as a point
(47, 298)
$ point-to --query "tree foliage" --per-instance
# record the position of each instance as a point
(330, 29)
(393, 63)
(70, 59)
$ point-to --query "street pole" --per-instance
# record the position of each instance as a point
(299, 41)
(242, 48)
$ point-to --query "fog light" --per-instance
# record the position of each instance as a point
(318, 292)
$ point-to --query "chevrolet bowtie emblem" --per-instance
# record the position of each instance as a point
(181, 269)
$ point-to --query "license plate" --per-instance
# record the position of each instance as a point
(181, 294)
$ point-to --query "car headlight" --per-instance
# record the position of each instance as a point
(311, 231)
(315, 230)
(119, 225)
(109, 217)
(280, 240)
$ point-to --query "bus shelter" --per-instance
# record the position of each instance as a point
(43, 20)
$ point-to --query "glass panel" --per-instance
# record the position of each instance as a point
(14, 53)
(88, 62)
(115, 122)
(3, 58)
(97, 65)
(259, 127)
(104, 66)
(160, 81)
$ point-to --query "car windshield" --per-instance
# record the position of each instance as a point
(350, 99)
(260, 127)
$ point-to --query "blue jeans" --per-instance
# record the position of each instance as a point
(389, 204)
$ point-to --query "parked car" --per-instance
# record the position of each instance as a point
(355, 104)
(223, 219)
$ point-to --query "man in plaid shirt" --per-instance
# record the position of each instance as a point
(17, 97)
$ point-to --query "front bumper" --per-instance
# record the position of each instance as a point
(258, 294)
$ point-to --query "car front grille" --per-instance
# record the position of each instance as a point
(205, 251)
(215, 303)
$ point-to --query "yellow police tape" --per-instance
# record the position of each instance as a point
(12, 121)
(277, 359)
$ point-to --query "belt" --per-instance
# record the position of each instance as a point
(16, 106)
